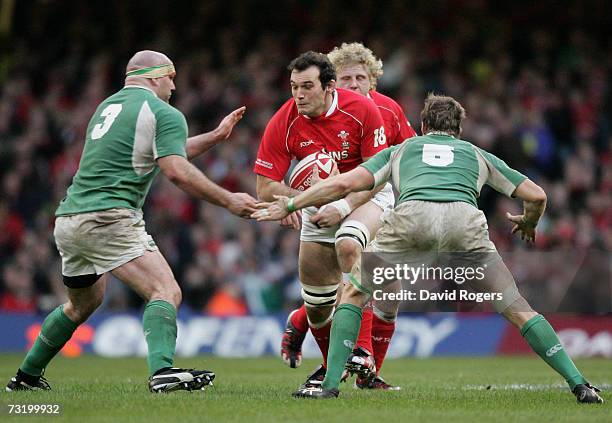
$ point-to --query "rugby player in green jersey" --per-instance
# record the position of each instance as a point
(439, 177)
(99, 228)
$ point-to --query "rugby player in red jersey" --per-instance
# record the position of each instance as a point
(358, 70)
(349, 127)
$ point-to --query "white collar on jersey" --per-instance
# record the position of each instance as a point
(140, 86)
(440, 133)
(334, 104)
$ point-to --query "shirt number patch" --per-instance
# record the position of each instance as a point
(438, 155)
(109, 114)
(379, 136)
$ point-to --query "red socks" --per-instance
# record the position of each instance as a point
(321, 335)
(299, 319)
(365, 331)
(382, 331)
(374, 334)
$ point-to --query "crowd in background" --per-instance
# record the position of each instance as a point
(535, 82)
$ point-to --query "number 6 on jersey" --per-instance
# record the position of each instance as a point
(109, 113)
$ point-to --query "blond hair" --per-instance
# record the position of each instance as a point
(357, 54)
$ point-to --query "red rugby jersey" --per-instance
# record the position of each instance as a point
(349, 132)
(397, 126)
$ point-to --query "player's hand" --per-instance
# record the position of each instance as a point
(242, 205)
(335, 171)
(275, 210)
(326, 217)
(224, 130)
(526, 229)
(293, 220)
(316, 178)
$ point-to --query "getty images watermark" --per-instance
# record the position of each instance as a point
(411, 274)
(550, 281)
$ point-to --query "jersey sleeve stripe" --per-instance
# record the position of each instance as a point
(394, 115)
(395, 160)
(145, 141)
(496, 179)
(482, 170)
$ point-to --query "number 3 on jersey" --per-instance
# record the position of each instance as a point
(109, 113)
(438, 155)
(379, 136)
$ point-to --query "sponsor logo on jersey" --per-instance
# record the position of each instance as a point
(554, 350)
(349, 344)
(264, 163)
(306, 143)
(339, 155)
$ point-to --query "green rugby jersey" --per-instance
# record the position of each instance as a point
(127, 133)
(441, 168)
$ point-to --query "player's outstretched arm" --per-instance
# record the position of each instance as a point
(333, 188)
(268, 188)
(189, 178)
(534, 204)
(199, 144)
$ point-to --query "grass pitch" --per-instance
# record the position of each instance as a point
(92, 389)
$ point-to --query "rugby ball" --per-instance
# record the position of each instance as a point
(301, 175)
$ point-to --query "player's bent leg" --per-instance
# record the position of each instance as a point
(320, 278)
(345, 328)
(383, 324)
(352, 237)
(82, 302)
(85, 294)
(151, 277)
(542, 338)
(293, 338)
(355, 233)
(383, 327)
(360, 363)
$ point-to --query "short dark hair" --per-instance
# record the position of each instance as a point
(442, 113)
(327, 72)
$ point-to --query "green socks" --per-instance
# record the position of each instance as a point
(159, 325)
(344, 331)
(56, 330)
(158, 321)
(542, 338)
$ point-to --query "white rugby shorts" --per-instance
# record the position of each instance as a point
(384, 199)
(98, 242)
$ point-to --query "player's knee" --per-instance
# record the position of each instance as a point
(177, 296)
(319, 316)
(347, 253)
(519, 312)
(80, 312)
(170, 292)
(351, 239)
(385, 315)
